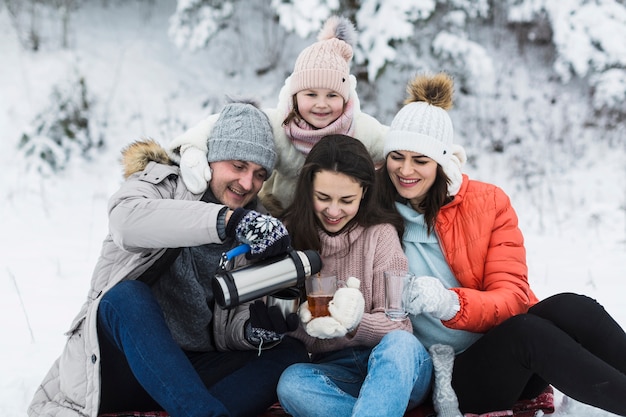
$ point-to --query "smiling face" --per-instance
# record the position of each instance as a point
(319, 107)
(336, 199)
(236, 183)
(412, 174)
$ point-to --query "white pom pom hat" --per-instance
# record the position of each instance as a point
(423, 126)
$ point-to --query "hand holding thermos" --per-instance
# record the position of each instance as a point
(266, 235)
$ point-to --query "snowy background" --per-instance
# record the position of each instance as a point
(530, 130)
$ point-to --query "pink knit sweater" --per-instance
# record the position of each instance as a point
(366, 255)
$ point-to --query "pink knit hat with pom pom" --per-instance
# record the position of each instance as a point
(325, 64)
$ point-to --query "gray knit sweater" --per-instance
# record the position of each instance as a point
(185, 295)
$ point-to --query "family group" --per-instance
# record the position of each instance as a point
(317, 173)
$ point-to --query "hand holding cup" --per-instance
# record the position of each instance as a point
(396, 289)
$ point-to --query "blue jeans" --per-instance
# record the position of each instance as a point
(144, 369)
(385, 380)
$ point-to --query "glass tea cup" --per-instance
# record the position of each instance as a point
(320, 289)
(396, 285)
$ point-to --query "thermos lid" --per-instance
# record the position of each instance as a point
(315, 261)
(222, 293)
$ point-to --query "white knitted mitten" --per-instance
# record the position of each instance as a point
(321, 327)
(325, 328)
(445, 401)
(348, 304)
(304, 313)
(194, 168)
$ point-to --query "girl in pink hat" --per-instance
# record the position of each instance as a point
(319, 98)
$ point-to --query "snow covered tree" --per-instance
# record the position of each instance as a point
(27, 18)
(589, 41)
(304, 17)
(62, 130)
(199, 24)
(490, 48)
(196, 22)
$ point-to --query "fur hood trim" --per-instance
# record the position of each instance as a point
(137, 155)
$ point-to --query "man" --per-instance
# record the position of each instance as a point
(150, 335)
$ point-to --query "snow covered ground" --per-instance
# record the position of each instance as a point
(575, 225)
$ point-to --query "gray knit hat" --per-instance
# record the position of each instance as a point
(242, 132)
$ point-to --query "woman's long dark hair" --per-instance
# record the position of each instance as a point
(436, 197)
(336, 153)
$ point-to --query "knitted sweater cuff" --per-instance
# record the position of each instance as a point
(221, 223)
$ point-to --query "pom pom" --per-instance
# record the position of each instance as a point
(353, 282)
(436, 90)
(340, 28)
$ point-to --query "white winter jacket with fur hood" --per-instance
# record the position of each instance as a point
(289, 160)
(144, 219)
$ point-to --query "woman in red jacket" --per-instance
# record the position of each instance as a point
(471, 292)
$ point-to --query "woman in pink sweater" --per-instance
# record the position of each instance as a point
(335, 213)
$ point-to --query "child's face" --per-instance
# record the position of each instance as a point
(319, 107)
(336, 199)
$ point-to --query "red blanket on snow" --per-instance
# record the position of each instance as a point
(523, 408)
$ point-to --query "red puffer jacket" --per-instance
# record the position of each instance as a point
(484, 247)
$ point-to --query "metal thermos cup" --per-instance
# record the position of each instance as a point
(287, 300)
(231, 288)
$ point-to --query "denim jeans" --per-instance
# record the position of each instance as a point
(143, 369)
(385, 380)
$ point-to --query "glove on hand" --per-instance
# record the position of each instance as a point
(267, 324)
(321, 327)
(348, 304)
(325, 328)
(266, 235)
(304, 312)
(428, 295)
(194, 168)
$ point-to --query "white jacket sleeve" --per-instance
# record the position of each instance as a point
(196, 136)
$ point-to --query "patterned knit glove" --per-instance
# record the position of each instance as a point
(266, 235)
(427, 295)
(194, 169)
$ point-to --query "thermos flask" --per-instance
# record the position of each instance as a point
(231, 288)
